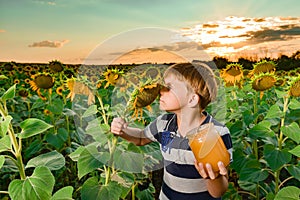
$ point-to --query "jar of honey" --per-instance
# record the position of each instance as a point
(208, 146)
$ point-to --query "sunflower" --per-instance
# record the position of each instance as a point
(56, 66)
(263, 66)
(263, 82)
(142, 97)
(59, 90)
(42, 81)
(23, 93)
(16, 81)
(292, 73)
(27, 81)
(8, 66)
(28, 68)
(294, 88)
(280, 82)
(47, 112)
(112, 76)
(152, 72)
(77, 87)
(232, 74)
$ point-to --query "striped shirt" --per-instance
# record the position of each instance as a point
(181, 180)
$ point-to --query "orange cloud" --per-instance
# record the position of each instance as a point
(48, 43)
(2, 31)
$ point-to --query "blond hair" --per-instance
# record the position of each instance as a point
(199, 77)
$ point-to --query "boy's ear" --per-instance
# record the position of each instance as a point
(194, 100)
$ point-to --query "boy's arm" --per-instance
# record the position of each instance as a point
(134, 135)
(217, 184)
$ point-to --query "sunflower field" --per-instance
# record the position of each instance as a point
(55, 140)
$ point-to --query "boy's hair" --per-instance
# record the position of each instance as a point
(199, 77)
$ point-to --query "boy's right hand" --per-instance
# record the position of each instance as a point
(118, 125)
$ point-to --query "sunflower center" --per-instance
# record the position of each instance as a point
(44, 81)
(234, 71)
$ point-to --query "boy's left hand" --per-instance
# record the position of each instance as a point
(208, 172)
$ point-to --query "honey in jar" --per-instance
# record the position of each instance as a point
(208, 146)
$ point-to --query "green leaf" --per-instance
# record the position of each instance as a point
(262, 130)
(252, 172)
(92, 110)
(92, 189)
(2, 160)
(288, 193)
(38, 186)
(33, 126)
(64, 193)
(274, 112)
(53, 160)
(56, 107)
(4, 125)
(34, 147)
(37, 104)
(5, 143)
(296, 151)
(276, 158)
(128, 161)
(292, 131)
(3, 77)
(294, 104)
(294, 171)
(58, 139)
(9, 94)
(91, 159)
(76, 154)
(280, 94)
(98, 131)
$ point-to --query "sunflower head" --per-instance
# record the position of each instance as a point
(56, 66)
(80, 88)
(153, 72)
(59, 90)
(292, 73)
(294, 87)
(9, 66)
(42, 81)
(263, 82)
(232, 74)
(23, 93)
(16, 81)
(143, 96)
(263, 66)
(112, 76)
(280, 82)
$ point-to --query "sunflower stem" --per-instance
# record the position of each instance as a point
(102, 108)
(17, 147)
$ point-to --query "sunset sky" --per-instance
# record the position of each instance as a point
(104, 31)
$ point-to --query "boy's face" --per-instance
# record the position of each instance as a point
(176, 96)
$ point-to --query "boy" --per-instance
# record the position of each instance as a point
(188, 90)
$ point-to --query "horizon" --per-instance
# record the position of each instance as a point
(38, 31)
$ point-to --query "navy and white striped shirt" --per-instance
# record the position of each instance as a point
(181, 179)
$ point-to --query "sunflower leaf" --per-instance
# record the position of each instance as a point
(33, 126)
(9, 94)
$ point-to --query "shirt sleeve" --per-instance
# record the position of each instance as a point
(151, 130)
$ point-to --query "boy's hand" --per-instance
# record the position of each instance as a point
(209, 173)
(117, 126)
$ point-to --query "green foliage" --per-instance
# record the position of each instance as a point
(57, 147)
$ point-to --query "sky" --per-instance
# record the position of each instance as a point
(133, 31)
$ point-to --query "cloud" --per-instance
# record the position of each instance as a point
(51, 3)
(48, 43)
(2, 31)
